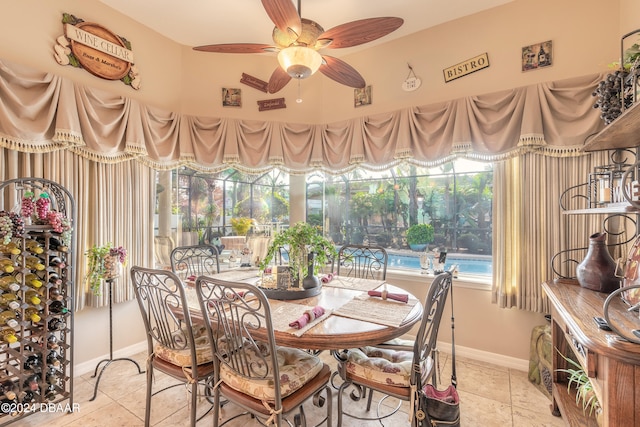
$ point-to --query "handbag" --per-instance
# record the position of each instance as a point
(441, 407)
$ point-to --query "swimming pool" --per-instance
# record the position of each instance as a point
(467, 264)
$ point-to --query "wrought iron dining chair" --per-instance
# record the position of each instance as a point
(363, 261)
(175, 346)
(395, 372)
(195, 260)
(252, 370)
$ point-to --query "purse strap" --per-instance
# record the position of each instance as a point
(454, 380)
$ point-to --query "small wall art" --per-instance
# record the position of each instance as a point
(362, 96)
(231, 97)
(537, 55)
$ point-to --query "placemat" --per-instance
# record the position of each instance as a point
(283, 313)
(353, 283)
(376, 310)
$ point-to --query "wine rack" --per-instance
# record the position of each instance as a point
(36, 300)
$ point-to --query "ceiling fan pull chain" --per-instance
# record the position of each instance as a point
(299, 99)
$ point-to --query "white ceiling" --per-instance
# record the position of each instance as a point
(202, 22)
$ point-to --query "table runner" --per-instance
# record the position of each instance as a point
(376, 310)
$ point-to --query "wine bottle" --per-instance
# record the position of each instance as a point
(8, 335)
(33, 314)
(8, 387)
(33, 297)
(56, 324)
(10, 249)
(33, 246)
(9, 284)
(7, 265)
(54, 359)
(9, 318)
(58, 307)
(33, 363)
(54, 244)
(32, 280)
(33, 263)
(30, 396)
(55, 294)
(54, 278)
(50, 392)
(56, 261)
(52, 342)
(10, 300)
(32, 382)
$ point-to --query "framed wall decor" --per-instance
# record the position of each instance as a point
(362, 96)
(231, 97)
(537, 55)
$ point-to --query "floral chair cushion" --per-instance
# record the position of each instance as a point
(384, 366)
(182, 356)
(296, 368)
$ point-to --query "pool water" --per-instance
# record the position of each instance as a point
(480, 265)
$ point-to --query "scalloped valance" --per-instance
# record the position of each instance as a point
(42, 112)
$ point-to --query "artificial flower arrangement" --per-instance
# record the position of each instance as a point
(104, 263)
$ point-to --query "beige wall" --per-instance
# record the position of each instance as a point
(585, 35)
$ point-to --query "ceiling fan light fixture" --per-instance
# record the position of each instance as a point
(299, 62)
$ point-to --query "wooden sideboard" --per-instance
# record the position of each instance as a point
(612, 365)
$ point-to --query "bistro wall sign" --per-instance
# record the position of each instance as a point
(467, 67)
(97, 50)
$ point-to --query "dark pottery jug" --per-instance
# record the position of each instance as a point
(310, 281)
(597, 270)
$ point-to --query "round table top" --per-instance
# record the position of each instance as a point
(359, 327)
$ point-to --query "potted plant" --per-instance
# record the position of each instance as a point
(241, 225)
(301, 239)
(419, 236)
(585, 395)
(104, 263)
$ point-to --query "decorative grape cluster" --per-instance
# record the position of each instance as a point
(611, 92)
(120, 253)
(42, 206)
(28, 206)
(11, 225)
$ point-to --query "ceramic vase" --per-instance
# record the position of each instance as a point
(597, 269)
(310, 281)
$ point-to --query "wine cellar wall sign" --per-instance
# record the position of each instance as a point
(97, 50)
(464, 68)
(537, 55)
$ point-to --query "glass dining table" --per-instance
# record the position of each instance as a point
(352, 317)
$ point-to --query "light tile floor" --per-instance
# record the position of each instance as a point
(490, 396)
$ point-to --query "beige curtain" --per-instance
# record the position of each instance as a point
(115, 203)
(533, 228)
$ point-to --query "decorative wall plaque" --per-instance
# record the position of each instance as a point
(231, 97)
(271, 104)
(97, 50)
(254, 82)
(537, 55)
(467, 67)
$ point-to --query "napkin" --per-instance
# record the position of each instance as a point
(388, 295)
(327, 277)
(308, 316)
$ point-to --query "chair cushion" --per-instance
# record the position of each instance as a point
(182, 357)
(296, 368)
(384, 366)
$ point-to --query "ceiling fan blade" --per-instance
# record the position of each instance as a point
(278, 80)
(359, 32)
(338, 70)
(235, 48)
(283, 14)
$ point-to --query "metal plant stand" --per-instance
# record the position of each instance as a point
(108, 361)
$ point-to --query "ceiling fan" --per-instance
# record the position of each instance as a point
(298, 40)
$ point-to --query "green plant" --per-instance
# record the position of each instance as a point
(585, 395)
(301, 239)
(241, 225)
(420, 234)
(100, 259)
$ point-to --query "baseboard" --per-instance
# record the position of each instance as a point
(485, 356)
(90, 365)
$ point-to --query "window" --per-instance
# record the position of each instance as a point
(378, 207)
